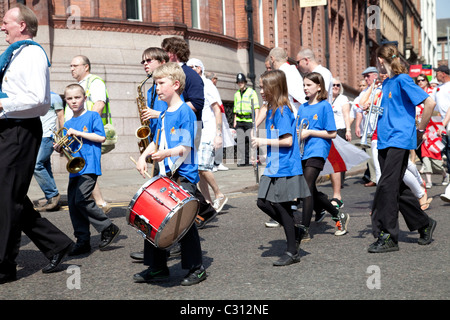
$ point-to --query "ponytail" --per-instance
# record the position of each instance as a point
(390, 54)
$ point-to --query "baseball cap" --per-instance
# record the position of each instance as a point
(196, 63)
(442, 69)
(370, 70)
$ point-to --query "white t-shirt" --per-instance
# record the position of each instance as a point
(295, 86)
(208, 117)
(441, 95)
(337, 110)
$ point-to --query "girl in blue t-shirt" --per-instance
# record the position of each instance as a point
(396, 137)
(282, 181)
(318, 114)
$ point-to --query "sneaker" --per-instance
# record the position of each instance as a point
(320, 216)
(383, 244)
(201, 221)
(445, 197)
(426, 233)
(194, 277)
(214, 169)
(51, 205)
(151, 276)
(221, 167)
(341, 224)
(272, 224)
(287, 259)
(175, 251)
(429, 185)
(137, 255)
(446, 179)
(108, 235)
(219, 203)
(339, 203)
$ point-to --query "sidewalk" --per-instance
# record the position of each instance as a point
(121, 185)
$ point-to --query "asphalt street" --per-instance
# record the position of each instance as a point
(238, 251)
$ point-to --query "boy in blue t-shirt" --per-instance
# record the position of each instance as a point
(87, 126)
(175, 154)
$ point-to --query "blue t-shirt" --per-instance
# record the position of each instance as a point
(91, 152)
(180, 127)
(320, 117)
(282, 161)
(396, 126)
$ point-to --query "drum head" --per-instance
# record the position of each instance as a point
(177, 223)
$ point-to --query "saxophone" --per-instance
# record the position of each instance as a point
(143, 132)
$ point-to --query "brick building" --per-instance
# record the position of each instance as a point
(114, 33)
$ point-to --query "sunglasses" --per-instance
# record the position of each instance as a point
(337, 85)
(420, 80)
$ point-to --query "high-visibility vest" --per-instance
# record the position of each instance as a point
(243, 104)
(106, 112)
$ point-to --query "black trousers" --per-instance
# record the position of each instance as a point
(19, 146)
(191, 251)
(243, 130)
(393, 195)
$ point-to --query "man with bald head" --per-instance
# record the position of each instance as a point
(24, 97)
(279, 60)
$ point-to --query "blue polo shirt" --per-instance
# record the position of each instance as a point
(282, 161)
(396, 126)
(320, 117)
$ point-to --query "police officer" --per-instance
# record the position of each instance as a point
(243, 99)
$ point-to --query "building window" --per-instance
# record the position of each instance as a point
(134, 10)
(195, 7)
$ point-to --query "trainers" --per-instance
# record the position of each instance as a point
(221, 167)
(341, 223)
(429, 185)
(108, 236)
(80, 248)
(426, 233)
(51, 205)
(383, 244)
(272, 224)
(201, 221)
(219, 203)
(194, 277)
(446, 179)
(151, 276)
(339, 203)
(287, 259)
(320, 216)
(445, 197)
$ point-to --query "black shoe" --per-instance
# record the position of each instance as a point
(151, 276)
(194, 277)
(201, 221)
(286, 259)
(383, 244)
(426, 233)
(80, 248)
(108, 236)
(175, 251)
(9, 277)
(56, 260)
(137, 255)
(320, 215)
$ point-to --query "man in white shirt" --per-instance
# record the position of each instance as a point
(211, 138)
(25, 96)
(442, 97)
(306, 63)
(279, 60)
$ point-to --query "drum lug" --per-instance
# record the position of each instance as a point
(172, 195)
(174, 187)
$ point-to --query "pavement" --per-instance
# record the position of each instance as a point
(119, 186)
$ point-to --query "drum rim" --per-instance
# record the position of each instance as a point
(167, 219)
(138, 194)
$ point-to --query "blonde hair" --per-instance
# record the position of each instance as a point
(173, 71)
(275, 90)
(389, 53)
(74, 86)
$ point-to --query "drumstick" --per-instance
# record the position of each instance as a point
(146, 173)
(156, 149)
